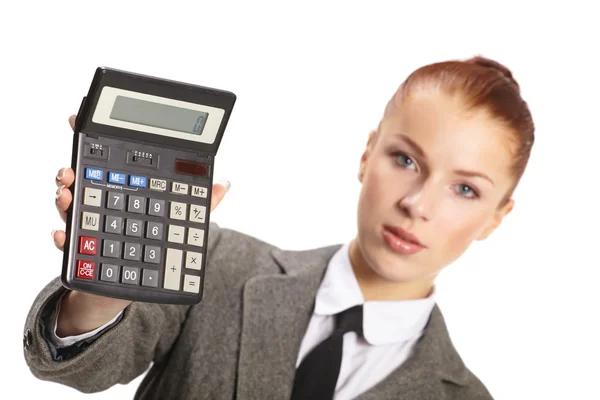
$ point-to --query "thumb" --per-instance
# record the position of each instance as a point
(72, 121)
(220, 188)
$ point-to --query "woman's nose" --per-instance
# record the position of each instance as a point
(419, 202)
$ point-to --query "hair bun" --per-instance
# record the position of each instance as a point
(489, 63)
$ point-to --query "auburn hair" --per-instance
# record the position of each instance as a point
(481, 83)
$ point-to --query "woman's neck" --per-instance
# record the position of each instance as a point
(376, 288)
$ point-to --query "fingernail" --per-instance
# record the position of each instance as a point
(59, 191)
(61, 174)
(225, 184)
(53, 232)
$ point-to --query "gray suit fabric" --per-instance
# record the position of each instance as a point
(241, 341)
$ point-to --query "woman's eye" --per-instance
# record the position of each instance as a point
(404, 161)
(467, 191)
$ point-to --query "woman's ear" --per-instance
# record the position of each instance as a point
(365, 156)
(500, 214)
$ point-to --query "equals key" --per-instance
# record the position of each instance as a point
(191, 284)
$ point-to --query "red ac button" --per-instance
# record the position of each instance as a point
(88, 245)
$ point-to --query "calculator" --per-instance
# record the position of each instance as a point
(143, 155)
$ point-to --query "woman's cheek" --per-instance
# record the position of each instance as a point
(460, 230)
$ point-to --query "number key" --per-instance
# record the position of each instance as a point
(131, 275)
(152, 254)
(111, 248)
(133, 228)
(156, 207)
(113, 224)
(110, 273)
(136, 204)
(133, 251)
(154, 230)
(115, 201)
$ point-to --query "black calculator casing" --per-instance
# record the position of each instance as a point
(138, 225)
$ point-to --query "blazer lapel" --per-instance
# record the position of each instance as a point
(434, 360)
(276, 312)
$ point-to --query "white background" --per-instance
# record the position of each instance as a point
(312, 80)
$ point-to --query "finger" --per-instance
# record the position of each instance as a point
(63, 201)
(218, 193)
(65, 177)
(59, 239)
(72, 121)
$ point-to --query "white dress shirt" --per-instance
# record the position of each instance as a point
(391, 328)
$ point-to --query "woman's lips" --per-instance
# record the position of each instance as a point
(401, 241)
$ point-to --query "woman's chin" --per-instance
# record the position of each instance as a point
(393, 267)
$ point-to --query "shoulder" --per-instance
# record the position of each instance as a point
(234, 257)
(437, 350)
(471, 388)
(237, 255)
(230, 244)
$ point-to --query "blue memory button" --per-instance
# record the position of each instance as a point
(94, 174)
(137, 181)
(117, 177)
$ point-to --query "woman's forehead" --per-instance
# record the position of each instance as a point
(440, 118)
(446, 132)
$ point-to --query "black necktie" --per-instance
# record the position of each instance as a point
(317, 374)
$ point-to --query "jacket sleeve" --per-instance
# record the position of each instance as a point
(118, 354)
(63, 349)
(50, 325)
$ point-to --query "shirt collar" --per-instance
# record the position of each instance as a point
(384, 322)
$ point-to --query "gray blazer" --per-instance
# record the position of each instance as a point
(241, 341)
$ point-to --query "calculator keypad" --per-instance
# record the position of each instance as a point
(143, 231)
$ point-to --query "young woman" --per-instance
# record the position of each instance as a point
(356, 320)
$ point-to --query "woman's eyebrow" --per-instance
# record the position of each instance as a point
(473, 174)
(419, 150)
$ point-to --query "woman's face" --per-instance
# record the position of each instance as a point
(437, 174)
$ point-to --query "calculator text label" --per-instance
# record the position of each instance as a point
(158, 184)
(93, 173)
(116, 177)
(138, 181)
(85, 269)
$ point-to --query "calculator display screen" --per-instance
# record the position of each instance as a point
(158, 115)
